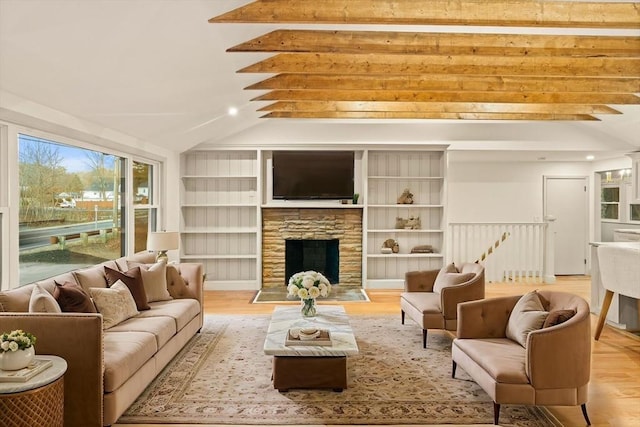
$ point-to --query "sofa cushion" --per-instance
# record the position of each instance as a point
(42, 301)
(181, 310)
(426, 302)
(72, 298)
(557, 317)
(154, 279)
(124, 354)
(116, 304)
(502, 358)
(527, 315)
(133, 279)
(162, 327)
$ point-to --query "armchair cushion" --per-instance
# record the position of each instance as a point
(527, 315)
(557, 317)
(447, 279)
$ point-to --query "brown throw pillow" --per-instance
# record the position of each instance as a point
(72, 298)
(557, 317)
(132, 278)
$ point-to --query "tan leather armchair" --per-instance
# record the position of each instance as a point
(552, 369)
(431, 297)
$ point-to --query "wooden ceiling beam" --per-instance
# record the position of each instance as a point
(336, 63)
(431, 116)
(393, 42)
(521, 13)
(438, 107)
(448, 82)
(454, 96)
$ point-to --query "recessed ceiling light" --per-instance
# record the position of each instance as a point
(233, 111)
(590, 157)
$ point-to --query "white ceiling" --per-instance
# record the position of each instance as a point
(158, 71)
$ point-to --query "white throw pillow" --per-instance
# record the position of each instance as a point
(116, 304)
(42, 301)
(528, 315)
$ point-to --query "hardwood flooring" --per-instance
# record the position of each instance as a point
(614, 392)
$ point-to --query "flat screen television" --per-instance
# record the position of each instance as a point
(311, 175)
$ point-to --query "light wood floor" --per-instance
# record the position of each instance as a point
(614, 393)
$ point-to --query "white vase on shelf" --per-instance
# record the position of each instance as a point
(14, 360)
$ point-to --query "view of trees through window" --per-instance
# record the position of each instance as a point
(71, 207)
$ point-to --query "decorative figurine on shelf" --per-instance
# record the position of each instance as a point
(406, 198)
(413, 223)
(390, 246)
(400, 223)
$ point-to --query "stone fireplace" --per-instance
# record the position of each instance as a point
(312, 239)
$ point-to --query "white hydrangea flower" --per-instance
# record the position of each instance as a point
(13, 346)
(5, 345)
(307, 282)
(303, 293)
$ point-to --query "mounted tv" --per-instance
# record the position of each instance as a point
(313, 175)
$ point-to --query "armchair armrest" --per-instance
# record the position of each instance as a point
(485, 318)
(420, 281)
(77, 338)
(560, 356)
(451, 296)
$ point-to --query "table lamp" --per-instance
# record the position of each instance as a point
(163, 241)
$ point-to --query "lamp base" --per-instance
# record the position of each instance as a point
(162, 256)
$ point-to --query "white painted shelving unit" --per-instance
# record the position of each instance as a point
(389, 173)
(220, 208)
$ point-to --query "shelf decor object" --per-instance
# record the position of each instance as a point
(163, 241)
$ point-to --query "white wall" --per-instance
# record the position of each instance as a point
(502, 191)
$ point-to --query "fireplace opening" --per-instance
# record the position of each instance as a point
(322, 256)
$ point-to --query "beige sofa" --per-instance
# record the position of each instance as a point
(431, 297)
(108, 370)
(552, 368)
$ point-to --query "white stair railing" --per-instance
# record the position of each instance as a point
(509, 251)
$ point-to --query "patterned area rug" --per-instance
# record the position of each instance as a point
(223, 377)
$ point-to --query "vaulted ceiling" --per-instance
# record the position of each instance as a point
(548, 75)
(443, 75)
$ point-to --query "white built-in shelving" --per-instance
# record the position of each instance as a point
(389, 174)
(221, 216)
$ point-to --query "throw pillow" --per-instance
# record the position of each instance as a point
(116, 304)
(528, 315)
(154, 280)
(557, 317)
(133, 279)
(72, 298)
(42, 301)
(449, 276)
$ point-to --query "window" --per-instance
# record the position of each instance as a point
(610, 202)
(71, 207)
(634, 212)
(145, 211)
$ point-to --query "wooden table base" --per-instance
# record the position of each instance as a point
(42, 406)
(309, 372)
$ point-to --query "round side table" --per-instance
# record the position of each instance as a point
(36, 402)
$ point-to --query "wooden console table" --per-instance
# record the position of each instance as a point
(36, 402)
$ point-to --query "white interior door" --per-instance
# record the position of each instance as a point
(566, 198)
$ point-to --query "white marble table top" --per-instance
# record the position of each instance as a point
(331, 317)
(45, 377)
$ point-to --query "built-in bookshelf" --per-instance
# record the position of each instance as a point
(220, 216)
(389, 174)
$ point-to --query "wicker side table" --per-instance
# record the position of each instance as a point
(37, 402)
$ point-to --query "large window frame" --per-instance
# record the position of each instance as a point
(10, 198)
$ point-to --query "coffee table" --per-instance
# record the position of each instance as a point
(310, 366)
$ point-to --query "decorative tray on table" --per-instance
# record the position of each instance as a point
(308, 336)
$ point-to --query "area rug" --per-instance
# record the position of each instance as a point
(350, 294)
(223, 377)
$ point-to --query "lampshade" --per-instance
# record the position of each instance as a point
(163, 241)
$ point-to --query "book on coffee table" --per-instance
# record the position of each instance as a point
(38, 365)
(297, 336)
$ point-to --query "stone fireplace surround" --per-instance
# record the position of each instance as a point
(280, 224)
